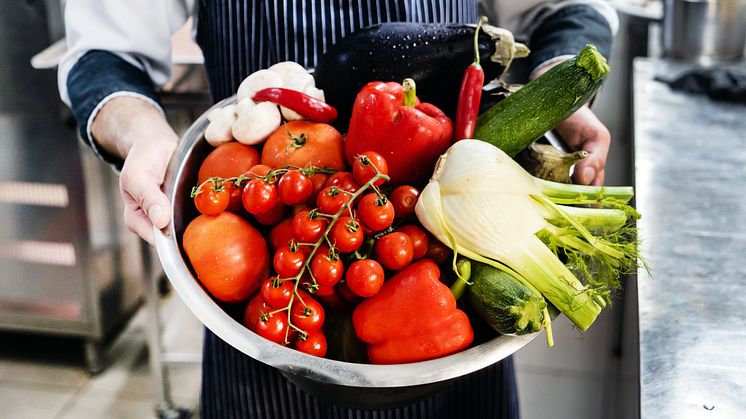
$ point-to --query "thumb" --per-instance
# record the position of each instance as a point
(141, 178)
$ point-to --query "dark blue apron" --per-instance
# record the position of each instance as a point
(237, 38)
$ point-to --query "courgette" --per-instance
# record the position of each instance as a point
(503, 302)
(521, 118)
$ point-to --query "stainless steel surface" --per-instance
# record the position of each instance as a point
(317, 373)
(704, 30)
(690, 156)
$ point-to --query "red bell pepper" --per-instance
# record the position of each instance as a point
(387, 119)
(413, 318)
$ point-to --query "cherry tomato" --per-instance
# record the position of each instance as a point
(437, 251)
(376, 214)
(343, 290)
(254, 310)
(344, 181)
(331, 199)
(235, 193)
(229, 160)
(273, 327)
(313, 344)
(287, 262)
(346, 235)
(294, 187)
(324, 291)
(211, 202)
(363, 168)
(318, 180)
(365, 277)
(273, 216)
(258, 170)
(281, 234)
(309, 317)
(394, 251)
(276, 293)
(259, 196)
(327, 271)
(404, 198)
(419, 237)
(307, 230)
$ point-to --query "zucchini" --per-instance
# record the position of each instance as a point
(503, 302)
(435, 55)
(521, 118)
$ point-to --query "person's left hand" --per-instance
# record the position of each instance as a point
(584, 131)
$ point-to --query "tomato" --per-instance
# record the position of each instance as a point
(235, 194)
(304, 143)
(307, 230)
(273, 328)
(294, 187)
(376, 214)
(419, 237)
(324, 291)
(365, 277)
(228, 160)
(211, 202)
(260, 170)
(327, 271)
(277, 293)
(363, 168)
(288, 263)
(309, 317)
(346, 235)
(343, 289)
(404, 199)
(318, 180)
(313, 344)
(228, 255)
(281, 234)
(344, 181)
(273, 216)
(259, 196)
(437, 251)
(335, 301)
(394, 251)
(254, 309)
(331, 199)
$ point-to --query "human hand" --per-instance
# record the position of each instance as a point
(584, 131)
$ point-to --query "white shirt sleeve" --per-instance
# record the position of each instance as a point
(138, 31)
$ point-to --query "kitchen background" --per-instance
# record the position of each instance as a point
(79, 295)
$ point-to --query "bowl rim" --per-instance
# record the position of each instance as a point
(288, 360)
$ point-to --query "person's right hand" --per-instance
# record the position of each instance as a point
(132, 129)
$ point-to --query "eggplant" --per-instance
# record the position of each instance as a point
(435, 55)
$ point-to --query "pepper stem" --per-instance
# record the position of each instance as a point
(410, 92)
(482, 20)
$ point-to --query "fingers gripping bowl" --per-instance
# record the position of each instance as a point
(335, 380)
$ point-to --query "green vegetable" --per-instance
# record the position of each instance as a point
(504, 302)
(546, 162)
(518, 120)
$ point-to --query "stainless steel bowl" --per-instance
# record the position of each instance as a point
(359, 385)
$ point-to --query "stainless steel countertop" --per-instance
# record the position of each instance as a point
(690, 158)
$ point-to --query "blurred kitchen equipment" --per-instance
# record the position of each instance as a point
(336, 381)
(704, 31)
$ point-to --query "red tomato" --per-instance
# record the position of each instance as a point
(331, 199)
(346, 235)
(308, 317)
(228, 160)
(324, 291)
(260, 170)
(229, 256)
(335, 301)
(419, 237)
(307, 230)
(365, 277)
(363, 168)
(376, 214)
(344, 181)
(274, 328)
(211, 202)
(259, 196)
(273, 216)
(313, 344)
(294, 187)
(304, 143)
(235, 193)
(343, 289)
(404, 199)
(437, 251)
(288, 263)
(394, 251)
(281, 234)
(318, 180)
(256, 307)
(327, 271)
(276, 293)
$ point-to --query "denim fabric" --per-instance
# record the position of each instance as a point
(96, 75)
(566, 32)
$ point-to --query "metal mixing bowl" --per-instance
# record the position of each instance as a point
(359, 385)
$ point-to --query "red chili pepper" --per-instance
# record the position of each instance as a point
(470, 94)
(305, 105)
